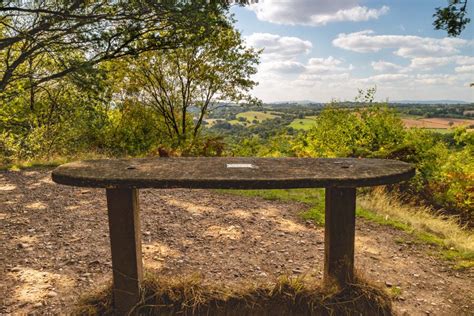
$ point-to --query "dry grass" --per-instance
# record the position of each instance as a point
(420, 219)
(290, 296)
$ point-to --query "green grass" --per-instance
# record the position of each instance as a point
(255, 115)
(33, 164)
(395, 292)
(303, 124)
(460, 256)
(313, 197)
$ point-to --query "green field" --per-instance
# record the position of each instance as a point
(212, 122)
(303, 124)
(259, 116)
(236, 122)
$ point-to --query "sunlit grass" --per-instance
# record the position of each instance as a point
(303, 123)
(455, 242)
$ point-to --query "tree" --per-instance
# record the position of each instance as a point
(452, 18)
(77, 34)
(193, 80)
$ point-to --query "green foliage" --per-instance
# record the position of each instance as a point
(368, 132)
(444, 162)
(452, 18)
(82, 34)
(444, 175)
(131, 130)
(183, 85)
(255, 146)
(121, 106)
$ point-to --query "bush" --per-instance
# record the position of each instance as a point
(444, 170)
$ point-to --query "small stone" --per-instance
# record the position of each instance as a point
(296, 271)
(388, 284)
(15, 269)
(51, 294)
(39, 304)
(147, 233)
(23, 245)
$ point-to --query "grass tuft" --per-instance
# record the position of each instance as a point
(289, 296)
(456, 242)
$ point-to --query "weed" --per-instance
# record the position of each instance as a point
(288, 296)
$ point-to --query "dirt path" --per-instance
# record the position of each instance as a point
(54, 246)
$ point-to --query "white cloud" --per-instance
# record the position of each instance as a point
(407, 46)
(385, 78)
(314, 66)
(325, 77)
(326, 66)
(465, 60)
(314, 12)
(355, 14)
(290, 72)
(428, 63)
(343, 86)
(276, 46)
(282, 67)
(469, 69)
(436, 79)
(385, 66)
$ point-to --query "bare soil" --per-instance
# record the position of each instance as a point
(54, 246)
(443, 123)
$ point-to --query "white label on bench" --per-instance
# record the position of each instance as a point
(241, 165)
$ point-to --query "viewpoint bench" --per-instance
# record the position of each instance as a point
(122, 178)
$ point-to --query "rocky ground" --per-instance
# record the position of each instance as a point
(54, 246)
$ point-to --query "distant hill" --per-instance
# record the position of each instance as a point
(315, 103)
(301, 102)
(430, 102)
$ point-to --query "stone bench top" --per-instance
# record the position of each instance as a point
(232, 173)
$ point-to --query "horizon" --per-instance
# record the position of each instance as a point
(323, 51)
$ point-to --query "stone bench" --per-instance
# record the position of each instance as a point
(122, 178)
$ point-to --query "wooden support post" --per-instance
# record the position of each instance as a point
(339, 235)
(125, 239)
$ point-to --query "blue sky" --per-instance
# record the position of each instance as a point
(322, 50)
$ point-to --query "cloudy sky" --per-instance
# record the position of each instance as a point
(321, 50)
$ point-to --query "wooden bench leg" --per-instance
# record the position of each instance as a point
(125, 239)
(339, 235)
